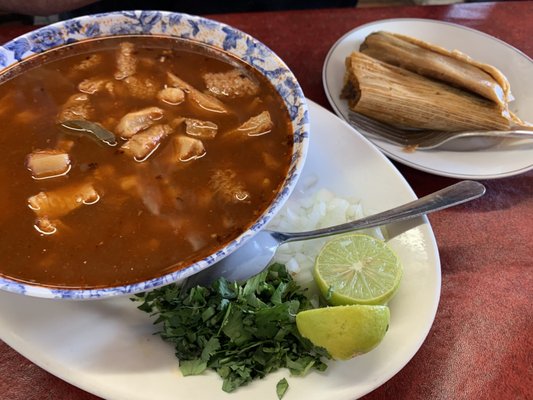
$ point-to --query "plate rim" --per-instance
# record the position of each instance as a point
(376, 142)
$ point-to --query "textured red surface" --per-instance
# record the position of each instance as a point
(480, 346)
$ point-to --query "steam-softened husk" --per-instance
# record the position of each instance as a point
(432, 61)
(403, 98)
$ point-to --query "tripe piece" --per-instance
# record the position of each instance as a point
(143, 144)
(57, 203)
(48, 163)
(259, 125)
(136, 121)
(231, 84)
(187, 148)
(90, 62)
(202, 129)
(126, 61)
(227, 187)
(78, 106)
(96, 85)
(202, 100)
(144, 89)
(171, 95)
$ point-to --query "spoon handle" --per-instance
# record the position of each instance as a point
(450, 196)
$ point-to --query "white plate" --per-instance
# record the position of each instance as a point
(106, 347)
(505, 159)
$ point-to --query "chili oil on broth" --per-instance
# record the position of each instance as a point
(151, 217)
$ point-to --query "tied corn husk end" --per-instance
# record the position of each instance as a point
(405, 99)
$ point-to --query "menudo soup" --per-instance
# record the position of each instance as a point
(127, 158)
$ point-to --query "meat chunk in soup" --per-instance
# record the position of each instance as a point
(97, 85)
(78, 106)
(142, 144)
(45, 226)
(259, 125)
(126, 61)
(227, 186)
(203, 101)
(89, 63)
(201, 129)
(187, 148)
(171, 95)
(230, 84)
(141, 88)
(52, 205)
(59, 202)
(136, 121)
(47, 163)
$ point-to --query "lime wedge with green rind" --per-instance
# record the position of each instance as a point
(357, 269)
(344, 331)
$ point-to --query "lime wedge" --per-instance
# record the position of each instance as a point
(344, 331)
(357, 269)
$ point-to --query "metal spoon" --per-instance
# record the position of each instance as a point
(256, 253)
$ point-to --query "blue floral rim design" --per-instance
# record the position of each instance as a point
(186, 26)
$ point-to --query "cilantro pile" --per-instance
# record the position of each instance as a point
(242, 331)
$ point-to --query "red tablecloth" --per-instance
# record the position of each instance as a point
(480, 346)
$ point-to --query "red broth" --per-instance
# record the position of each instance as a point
(199, 154)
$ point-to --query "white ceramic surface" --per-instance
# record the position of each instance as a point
(504, 159)
(106, 346)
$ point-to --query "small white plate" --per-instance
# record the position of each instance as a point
(504, 159)
(106, 347)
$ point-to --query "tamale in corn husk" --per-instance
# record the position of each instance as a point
(452, 67)
(405, 99)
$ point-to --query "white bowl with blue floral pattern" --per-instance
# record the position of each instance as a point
(194, 28)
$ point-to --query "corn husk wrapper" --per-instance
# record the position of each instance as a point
(402, 98)
(431, 61)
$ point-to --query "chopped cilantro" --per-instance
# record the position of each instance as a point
(281, 388)
(242, 331)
